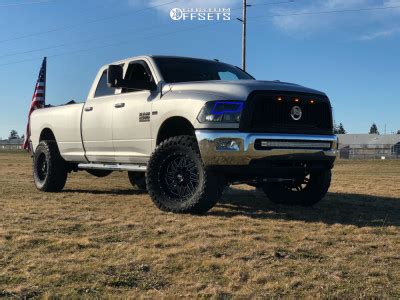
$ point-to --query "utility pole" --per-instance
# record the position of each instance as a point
(243, 20)
(244, 35)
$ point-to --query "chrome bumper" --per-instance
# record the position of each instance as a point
(244, 151)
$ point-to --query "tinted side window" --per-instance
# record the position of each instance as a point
(102, 88)
(137, 71)
(227, 76)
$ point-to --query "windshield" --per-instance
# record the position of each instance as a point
(175, 69)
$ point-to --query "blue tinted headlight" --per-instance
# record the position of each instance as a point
(221, 112)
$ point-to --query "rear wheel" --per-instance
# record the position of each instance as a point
(177, 180)
(305, 190)
(49, 168)
(138, 180)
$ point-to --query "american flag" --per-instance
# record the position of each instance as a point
(38, 101)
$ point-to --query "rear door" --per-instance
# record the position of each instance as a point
(132, 115)
(97, 122)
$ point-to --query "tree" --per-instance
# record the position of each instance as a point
(13, 135)
(335, 128)
(339, 129)
(374, 129)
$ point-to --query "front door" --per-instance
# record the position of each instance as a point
(131, 117)
(97, 123)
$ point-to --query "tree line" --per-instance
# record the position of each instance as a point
(339, 129)
(14, 135)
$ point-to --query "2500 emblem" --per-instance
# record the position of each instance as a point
(144, 117)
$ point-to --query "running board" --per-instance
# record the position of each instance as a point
(113, 167)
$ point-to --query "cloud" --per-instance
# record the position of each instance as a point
(185, 4)
(391, 3)
(296, 20)
(335, 4)
(379, 34)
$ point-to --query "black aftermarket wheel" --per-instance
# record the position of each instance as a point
(177, 180)
(181, 176)
(49, 168)
(305, 190)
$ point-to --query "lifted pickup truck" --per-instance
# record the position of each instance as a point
(185, 128)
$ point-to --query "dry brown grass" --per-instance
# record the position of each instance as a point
(101, 238)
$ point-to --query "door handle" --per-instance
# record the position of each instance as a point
(119, 105)
(88, 108)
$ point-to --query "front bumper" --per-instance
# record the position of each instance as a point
(246, 148)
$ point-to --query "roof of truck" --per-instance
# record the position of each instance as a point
(162, 56)
(151, 56)
(175, 56)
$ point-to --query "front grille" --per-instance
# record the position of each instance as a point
(271, 112)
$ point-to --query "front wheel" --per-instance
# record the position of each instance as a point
(177, 180)
(305, 190)
(49, 168)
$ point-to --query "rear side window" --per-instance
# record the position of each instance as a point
(102, 87)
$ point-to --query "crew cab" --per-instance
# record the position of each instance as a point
(185, 128)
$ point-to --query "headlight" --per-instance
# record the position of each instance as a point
(221, 112)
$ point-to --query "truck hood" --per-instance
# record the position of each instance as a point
(239, 89)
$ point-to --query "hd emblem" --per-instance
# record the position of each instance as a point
(296, 113)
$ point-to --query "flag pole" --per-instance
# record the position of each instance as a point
(45, 79)
(38, 101)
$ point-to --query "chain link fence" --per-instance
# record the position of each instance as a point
(369, 151)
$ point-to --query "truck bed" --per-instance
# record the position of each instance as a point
(65, 122)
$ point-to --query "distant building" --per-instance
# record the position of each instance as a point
(11, 144)
(372, 146)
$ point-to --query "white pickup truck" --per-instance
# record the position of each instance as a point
(184, 128)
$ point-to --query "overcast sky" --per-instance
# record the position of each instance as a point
(341, 47)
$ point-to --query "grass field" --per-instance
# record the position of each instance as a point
(101, 238)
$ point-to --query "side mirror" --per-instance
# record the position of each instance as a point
(114, 76)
